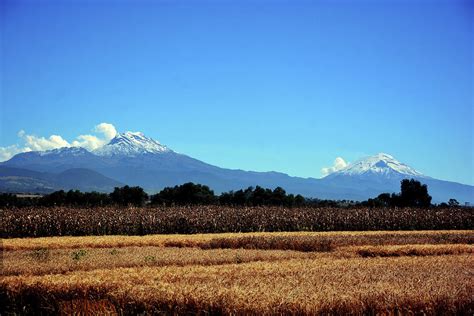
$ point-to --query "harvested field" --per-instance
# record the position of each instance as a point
(43, 261)
(413, 250)
(283, 240)
(430, 272)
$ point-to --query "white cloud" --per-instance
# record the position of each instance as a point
(107, 129)
(339, 163)
(89, 142)
(41, 143)
(92, 142)
(9, 151)
(36, 143)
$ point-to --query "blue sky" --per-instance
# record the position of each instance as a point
(257, 85)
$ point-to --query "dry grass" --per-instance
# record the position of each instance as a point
(430, 285)
(286, 240)
(413, 250)
(42, 261)
(421, 272)
(86, 307)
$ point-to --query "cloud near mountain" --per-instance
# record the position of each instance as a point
(339, 164)
(92, 142)
(135, 159)
(105, 131)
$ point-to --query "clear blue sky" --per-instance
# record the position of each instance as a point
(257, 85)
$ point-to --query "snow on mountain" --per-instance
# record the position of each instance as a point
(131, 144)
(380, 164)
(153, 166)
(64, 151)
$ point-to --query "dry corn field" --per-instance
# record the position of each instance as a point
(305, 273)
(67, 221)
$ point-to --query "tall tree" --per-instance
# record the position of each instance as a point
(413, 193)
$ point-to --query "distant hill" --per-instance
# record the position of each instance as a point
(24, 180)
(134, 159)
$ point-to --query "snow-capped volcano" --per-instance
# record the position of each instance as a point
(381, 164)
(131, 144)
(134, 159)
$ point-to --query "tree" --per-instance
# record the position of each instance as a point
(413, 193)
(278, 196)
(185, 194)
(129, 196)
(74, 197)
(299, 200)
(56, 198)
(260, 196)
(96, 199)
(453, 203)
(226, 198)
(384, 199)
(11, 200)
(239, 198)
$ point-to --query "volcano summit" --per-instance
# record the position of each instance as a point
(135, 159)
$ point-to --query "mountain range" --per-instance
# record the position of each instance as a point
(134, 159)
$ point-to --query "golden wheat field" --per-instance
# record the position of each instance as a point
(384, 272)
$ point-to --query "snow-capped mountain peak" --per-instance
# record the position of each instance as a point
(131, 144)
(380, 164)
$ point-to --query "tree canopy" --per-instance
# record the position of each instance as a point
(186, 194)
(129, 196)
(412, 194)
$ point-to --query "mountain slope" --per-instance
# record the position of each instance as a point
(131, 144)
(55, 160)
(24, 180)
(381, 173)
(134, 159)
(381, 165)
(85, 180)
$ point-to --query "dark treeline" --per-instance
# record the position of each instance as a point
(412, 194)
(124, 196)
(185, 194)
(192, 194)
